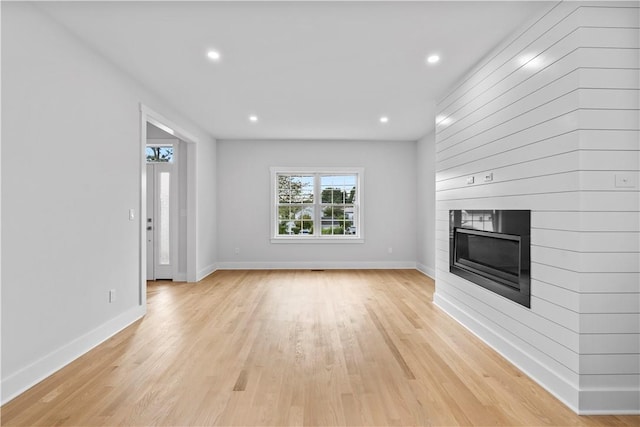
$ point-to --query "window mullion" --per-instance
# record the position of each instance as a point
(317, 228)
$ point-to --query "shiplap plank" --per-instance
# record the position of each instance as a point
(609, 99)
(610, 200)
(561, 201)
(606, 160)
(609, 343)
(587, 221)
(617, 37)
(610, 303)
(609, 78)
(602, 57)
(586, 241)
(602, 201)
(608, 16)
(613, 139)
(609, 282)
(613, 382)
(587, 262)
(602, 364)
(610, 323)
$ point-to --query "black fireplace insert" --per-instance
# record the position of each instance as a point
(492, 248)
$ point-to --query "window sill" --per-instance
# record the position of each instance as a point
(317, 240)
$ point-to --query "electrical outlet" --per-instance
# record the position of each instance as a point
(470, 180)
(488, 177)
(237, 251)
(112, 295)
(390, 250)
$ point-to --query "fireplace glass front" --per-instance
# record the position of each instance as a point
(491, 248)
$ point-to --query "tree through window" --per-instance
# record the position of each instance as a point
(159, 153)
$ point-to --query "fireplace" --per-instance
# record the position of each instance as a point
(491, 248)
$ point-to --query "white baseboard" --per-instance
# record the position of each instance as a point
(206, 271)
(566, 392)
(30, 375)
(427, 271)
(604, 401)
(318, 265)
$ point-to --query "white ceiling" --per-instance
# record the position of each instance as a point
(308, 70)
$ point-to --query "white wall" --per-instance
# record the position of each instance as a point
(555, 133)
(244, 208)
(425, 199)
(206, 209)
(71, 169)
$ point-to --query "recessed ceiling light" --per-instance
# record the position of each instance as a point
(213, 55)
(384, 119)
(432, 59)
(253, 118)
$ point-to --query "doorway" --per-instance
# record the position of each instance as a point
(160, 228)
(181, 176)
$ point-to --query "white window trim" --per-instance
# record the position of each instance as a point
(315, 239)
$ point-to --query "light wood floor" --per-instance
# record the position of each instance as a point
(294, 348)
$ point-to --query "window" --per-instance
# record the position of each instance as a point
(316, 205)
(159, 153)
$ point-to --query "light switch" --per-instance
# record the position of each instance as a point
(132, 214)
(488, 177)
(470, 180)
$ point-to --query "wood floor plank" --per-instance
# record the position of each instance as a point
(275, 348)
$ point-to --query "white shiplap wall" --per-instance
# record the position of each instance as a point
(553, 113)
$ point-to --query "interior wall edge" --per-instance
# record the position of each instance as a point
(206, 271)
(427, 271)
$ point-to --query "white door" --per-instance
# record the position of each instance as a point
(159, 221)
